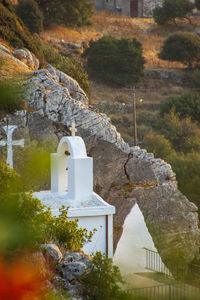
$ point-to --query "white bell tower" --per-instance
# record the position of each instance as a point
(72, 169)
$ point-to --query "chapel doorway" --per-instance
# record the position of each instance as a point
(134, 8)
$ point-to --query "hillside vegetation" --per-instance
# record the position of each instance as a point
(179, 147)
(15, 33)
(167, 135)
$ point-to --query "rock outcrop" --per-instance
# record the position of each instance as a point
(22, 57)
(171, 219)
(27, 58)
(59, 98)
(66, 270)
(122, 175)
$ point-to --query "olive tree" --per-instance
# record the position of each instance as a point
(182, 47)
(172, 9)
(117, 61)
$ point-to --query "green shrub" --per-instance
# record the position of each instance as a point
(67, 233)
(197, 4)
(103, 281)
(10, 98)
(182, 47)
(160, 16)
(187, 169)
(26, 223)
(172, 9)
(71, 66)
(15, 33)
(187, 106)
(33, 165)
(158, 145)
(195, 82)
(146, 117)
(30, 14)
(70, 13)
(182, 133)
(116, 61)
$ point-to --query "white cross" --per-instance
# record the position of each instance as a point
(73, 129)
(9, 142)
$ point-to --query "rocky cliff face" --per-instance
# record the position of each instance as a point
(122, 175)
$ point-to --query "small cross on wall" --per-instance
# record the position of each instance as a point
(73, 129)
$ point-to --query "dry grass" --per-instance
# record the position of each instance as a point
(14, 2)
(150, 90)
(5, 44)
(9, 68)
(148, 33)
(57, 32)
(145, 30)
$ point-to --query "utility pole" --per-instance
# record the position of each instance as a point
(134, 117)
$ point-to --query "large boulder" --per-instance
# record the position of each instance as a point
(122, 175)
(172, 221)
(27, 58)
(52, 254)
(73, 270)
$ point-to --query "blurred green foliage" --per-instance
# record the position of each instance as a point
(183, 134)
(25, 223)
(158, 145)
(187, 169)
(187, 106)
(33, 165)
(10, 97)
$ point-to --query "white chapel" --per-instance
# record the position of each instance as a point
(72, 186)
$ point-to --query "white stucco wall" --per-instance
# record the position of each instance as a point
(98, 242)
(130, 255)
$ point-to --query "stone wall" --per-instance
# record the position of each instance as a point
(149, 5)
(125, 7)
(99, 4)
(110, 5)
